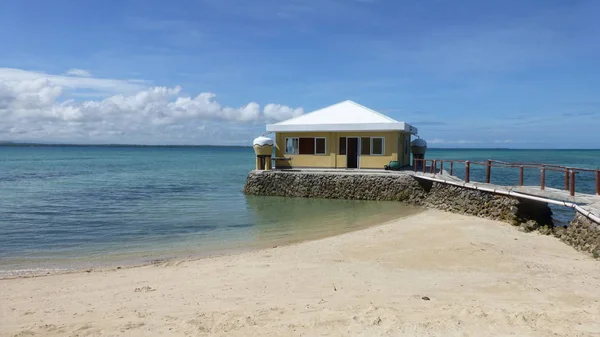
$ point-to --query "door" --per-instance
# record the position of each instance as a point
(352, 153)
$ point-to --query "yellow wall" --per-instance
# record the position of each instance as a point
(331, 159)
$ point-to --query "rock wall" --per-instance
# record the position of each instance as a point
(583, 234)
(400, 187)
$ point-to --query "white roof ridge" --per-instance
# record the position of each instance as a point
(312, 112)
(343, 116)
(371, 110)
(339, 103)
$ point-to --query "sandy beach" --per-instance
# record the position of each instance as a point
(430, 274)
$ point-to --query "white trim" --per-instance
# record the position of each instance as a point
(315, 151)
(342, 127)
(286, 142)
(382, 146)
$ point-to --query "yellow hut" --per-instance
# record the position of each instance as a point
(344, 135)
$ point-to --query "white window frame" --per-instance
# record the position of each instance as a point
(297, 151)
(382, 146)
(315, 150)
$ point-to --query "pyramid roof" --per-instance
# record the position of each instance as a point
(343, 116)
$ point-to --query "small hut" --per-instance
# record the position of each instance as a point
(344, 135)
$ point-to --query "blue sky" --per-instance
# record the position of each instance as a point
(467, 73)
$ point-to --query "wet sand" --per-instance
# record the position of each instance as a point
(429, 274)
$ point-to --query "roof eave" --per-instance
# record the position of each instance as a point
(399, 126)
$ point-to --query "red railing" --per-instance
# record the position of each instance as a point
(569, 172)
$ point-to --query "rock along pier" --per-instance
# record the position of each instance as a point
(518, 206)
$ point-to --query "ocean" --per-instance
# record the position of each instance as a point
(69, 207)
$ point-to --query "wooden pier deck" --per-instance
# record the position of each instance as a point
(587, 204)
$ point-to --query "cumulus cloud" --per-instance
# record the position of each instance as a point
(275, 112)
(78, 72)
(460, 141)
(35, 104)
(103, 85)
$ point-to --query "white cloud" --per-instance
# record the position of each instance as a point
(435, 141)
(105, 85)
(78, 72)
(460, 141)
(275, 112)
(34, 105)
(466, 141)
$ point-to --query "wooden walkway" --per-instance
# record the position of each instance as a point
(587, 204)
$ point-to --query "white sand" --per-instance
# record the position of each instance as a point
(483, 278)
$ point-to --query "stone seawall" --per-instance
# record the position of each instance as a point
(582, 233)
(400, 187)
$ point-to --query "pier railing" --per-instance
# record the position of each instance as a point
(569, 172)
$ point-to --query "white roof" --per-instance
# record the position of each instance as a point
(343, 116)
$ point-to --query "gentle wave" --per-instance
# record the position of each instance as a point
(79, 207)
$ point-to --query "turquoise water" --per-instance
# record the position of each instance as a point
(77, 207)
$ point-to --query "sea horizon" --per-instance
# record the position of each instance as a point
(51, 144)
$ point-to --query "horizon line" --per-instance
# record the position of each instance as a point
(34, 144)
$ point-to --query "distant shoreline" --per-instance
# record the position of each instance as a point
(9, 144)
(16, 144)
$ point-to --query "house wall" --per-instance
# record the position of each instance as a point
(394, 141)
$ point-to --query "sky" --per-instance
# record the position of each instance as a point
(467, 73)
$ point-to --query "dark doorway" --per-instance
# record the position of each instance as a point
(352, 153)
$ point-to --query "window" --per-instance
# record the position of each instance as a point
(377, 146)
(307, 146)
(342, 145)
(365, 145)
(291, 146)
(374, 146)
(320, 147)
(406, 144)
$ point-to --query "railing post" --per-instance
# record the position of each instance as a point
(566, 179)
(572, 183)
(433, 168)
(467, 171)
(543, 178)
(415, 164)
(441, 167)
(521, 175)
(488, 172)
(451, 168)
(598, 182)
(424, 165)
